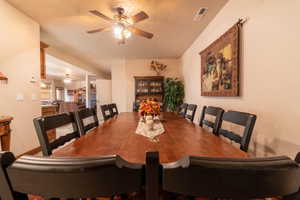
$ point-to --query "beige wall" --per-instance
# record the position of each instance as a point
(103, 94)
(123, 74)
(19, 60)
(118, 84)
(141, 67)
(269, 71)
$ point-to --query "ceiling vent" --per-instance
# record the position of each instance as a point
(200, 13)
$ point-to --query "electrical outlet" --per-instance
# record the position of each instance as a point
(20, 97)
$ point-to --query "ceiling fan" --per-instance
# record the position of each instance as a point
(123, 26)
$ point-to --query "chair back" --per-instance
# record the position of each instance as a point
(68, 178)
(106, 112)
(190, 112)
(182, 109)
(245, 120)
(214, 111)
(113, 109)
(48, 123)
(84, 121)
(232, 178)
(135, 107)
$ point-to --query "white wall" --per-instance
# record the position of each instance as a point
(104, 94)
(119, 86)
(269, 71)
(19, 60)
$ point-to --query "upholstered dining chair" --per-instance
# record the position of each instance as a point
(113, 109)
(67, 178)
(245, 120)
(106, 112)
(190, 112)
(182, 109)
(229, 178)
(86, 119)
(213, 111)
(48, 123)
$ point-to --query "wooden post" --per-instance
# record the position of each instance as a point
(152, 176)
(43, 46)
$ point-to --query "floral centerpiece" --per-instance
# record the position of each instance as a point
(149, 108)
(150, 125)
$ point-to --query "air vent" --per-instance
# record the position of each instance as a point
(200, 13)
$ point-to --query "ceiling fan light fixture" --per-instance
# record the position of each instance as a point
(123, 26)
(118, 30)
(127, 34)
(67, 80)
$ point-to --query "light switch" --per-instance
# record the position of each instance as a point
(20, 97)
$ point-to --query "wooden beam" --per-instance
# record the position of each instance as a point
(43, 46)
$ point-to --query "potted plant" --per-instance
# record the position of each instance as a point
(174, 94)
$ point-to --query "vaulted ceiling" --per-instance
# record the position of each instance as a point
(64, 24)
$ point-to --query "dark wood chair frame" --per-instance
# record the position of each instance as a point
(182, 109)
(192, 108)
(44, 124)
(246, 120)
(113, 109)
(105, 108)
(214, 111)
(228, 178)
(85, 113)
(135, 107)
(68, 178)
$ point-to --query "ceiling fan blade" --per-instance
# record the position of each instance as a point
(99, 14)
(140, 32)
(99, 30)
(139, 17)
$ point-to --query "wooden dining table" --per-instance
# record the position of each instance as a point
(117, 136)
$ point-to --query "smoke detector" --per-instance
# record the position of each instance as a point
(200, 13)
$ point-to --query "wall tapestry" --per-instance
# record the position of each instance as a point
(220, 65)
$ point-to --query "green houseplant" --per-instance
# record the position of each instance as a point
(174, 93)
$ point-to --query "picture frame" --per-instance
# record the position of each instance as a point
(220, 65)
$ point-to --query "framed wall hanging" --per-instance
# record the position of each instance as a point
(220, 65)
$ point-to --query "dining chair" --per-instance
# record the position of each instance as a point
(67, 178)
(113, 109)
(190, 112)
(135, 107)
(86, 119)
(106, 112)
(232, 178)
(245, 120)
(44, 124)
(295, 196)
(182, 109)
(213, 111)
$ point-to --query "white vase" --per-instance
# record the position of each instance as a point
(149, 122)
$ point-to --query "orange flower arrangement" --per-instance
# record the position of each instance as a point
(149, 108)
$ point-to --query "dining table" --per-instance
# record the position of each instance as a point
(117, 136)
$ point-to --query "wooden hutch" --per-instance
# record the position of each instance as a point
(149, 87)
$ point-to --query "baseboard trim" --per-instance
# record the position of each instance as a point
(31, 152)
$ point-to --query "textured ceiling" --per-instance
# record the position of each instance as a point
(64, 24)
(57, 69)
